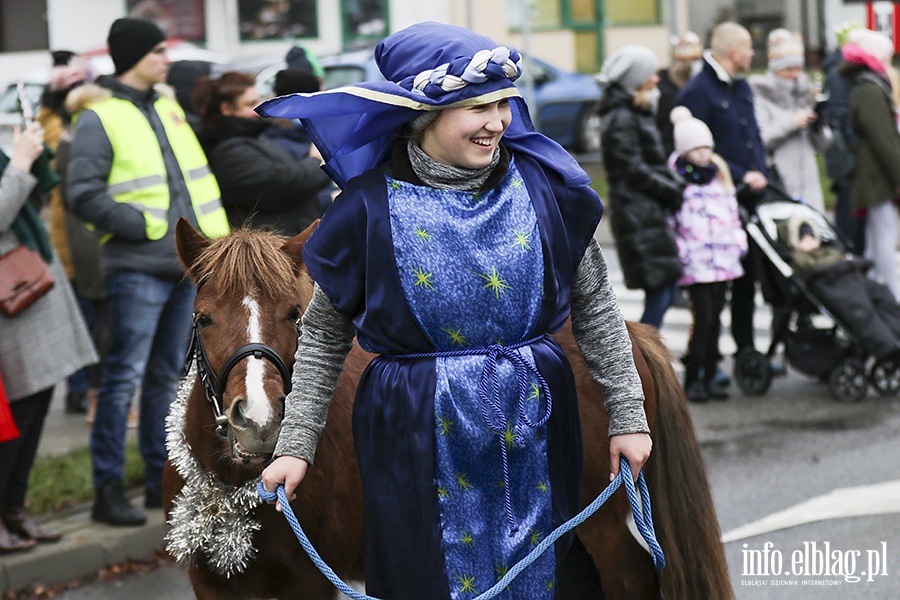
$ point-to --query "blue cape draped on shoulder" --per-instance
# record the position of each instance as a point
(428, 66)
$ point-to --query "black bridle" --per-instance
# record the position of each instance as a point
(214, 384)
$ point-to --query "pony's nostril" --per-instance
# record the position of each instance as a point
(238, 418)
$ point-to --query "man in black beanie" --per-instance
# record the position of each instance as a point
(130, 40)
(136, 168)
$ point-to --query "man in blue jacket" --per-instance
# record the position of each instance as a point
(720, 97)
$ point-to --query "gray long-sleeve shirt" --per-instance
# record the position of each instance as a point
(597, 324)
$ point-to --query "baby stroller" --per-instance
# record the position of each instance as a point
(832, 352)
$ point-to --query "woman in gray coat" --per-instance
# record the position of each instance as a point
(788, 123)
(42, 345)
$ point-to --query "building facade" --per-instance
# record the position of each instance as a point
(573, 34)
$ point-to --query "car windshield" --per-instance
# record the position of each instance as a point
(343, 75)
(9, 99)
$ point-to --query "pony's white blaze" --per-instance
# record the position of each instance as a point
(257, 407)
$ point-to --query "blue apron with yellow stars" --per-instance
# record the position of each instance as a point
(472, 270)
(464, 466)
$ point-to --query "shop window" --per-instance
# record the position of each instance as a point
(583, 11)
(180, 19)
(23, 25)
(545, 14)
(277, 19)
(633, 12)
(364, 22)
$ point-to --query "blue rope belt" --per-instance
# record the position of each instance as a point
(641, 511)
(489, 394)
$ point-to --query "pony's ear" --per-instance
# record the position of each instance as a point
(294, 246)
(189, 242)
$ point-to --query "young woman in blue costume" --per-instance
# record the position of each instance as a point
(451, 255)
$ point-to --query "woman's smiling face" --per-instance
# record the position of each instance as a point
(467, 136)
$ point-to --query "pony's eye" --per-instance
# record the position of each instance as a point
(294, 315)
(204, 320)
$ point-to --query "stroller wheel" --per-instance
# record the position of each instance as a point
(848, 381)
(752, 372)
(885, 376)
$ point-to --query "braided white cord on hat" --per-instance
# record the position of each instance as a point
(473, 72)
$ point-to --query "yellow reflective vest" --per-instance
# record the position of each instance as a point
(138, 173)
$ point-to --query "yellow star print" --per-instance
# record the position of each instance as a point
(522, 239)
(466, 582)
(501, 570)
(442, 492)
(462, 480)
(516, 183)
(445, 426)
(542, 486)
(494, 282)
(422, 234)
(509, 436)
(535, 392)
(423, 279)
(467, 539)
(456, 336)
(535, 537)
(395, 185)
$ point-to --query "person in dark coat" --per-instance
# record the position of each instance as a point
(839, 159)
(643, 192)
(262, 184)
(720, 97)
(289, 133)
(876, 177)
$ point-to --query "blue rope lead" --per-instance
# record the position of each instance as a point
(641, 512)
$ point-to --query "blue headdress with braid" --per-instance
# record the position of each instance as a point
(428, 66)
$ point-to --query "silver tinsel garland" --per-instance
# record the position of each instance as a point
(210, 520)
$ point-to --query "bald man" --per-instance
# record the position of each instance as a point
(720, 97)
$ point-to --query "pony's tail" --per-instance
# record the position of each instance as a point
(683, 513)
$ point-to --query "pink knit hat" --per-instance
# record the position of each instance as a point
(690, 133)
(65, 76)
(871, 48)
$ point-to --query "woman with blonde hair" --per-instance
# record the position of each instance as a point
(687, 51)
(785, 108)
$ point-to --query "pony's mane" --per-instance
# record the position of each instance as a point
(247, 261)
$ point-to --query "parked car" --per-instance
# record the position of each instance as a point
(564, 107)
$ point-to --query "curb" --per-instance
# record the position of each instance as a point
(86, 547)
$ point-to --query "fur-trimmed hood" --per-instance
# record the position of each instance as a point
(80, 97)
(789, 231)
(784, 92)
(83, 95)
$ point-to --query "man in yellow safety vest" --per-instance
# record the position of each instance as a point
(136, 168)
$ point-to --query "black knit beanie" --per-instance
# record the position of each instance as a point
(130, 40)
(61, 58)
(292, 81)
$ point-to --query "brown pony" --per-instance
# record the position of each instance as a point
(253, 288)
